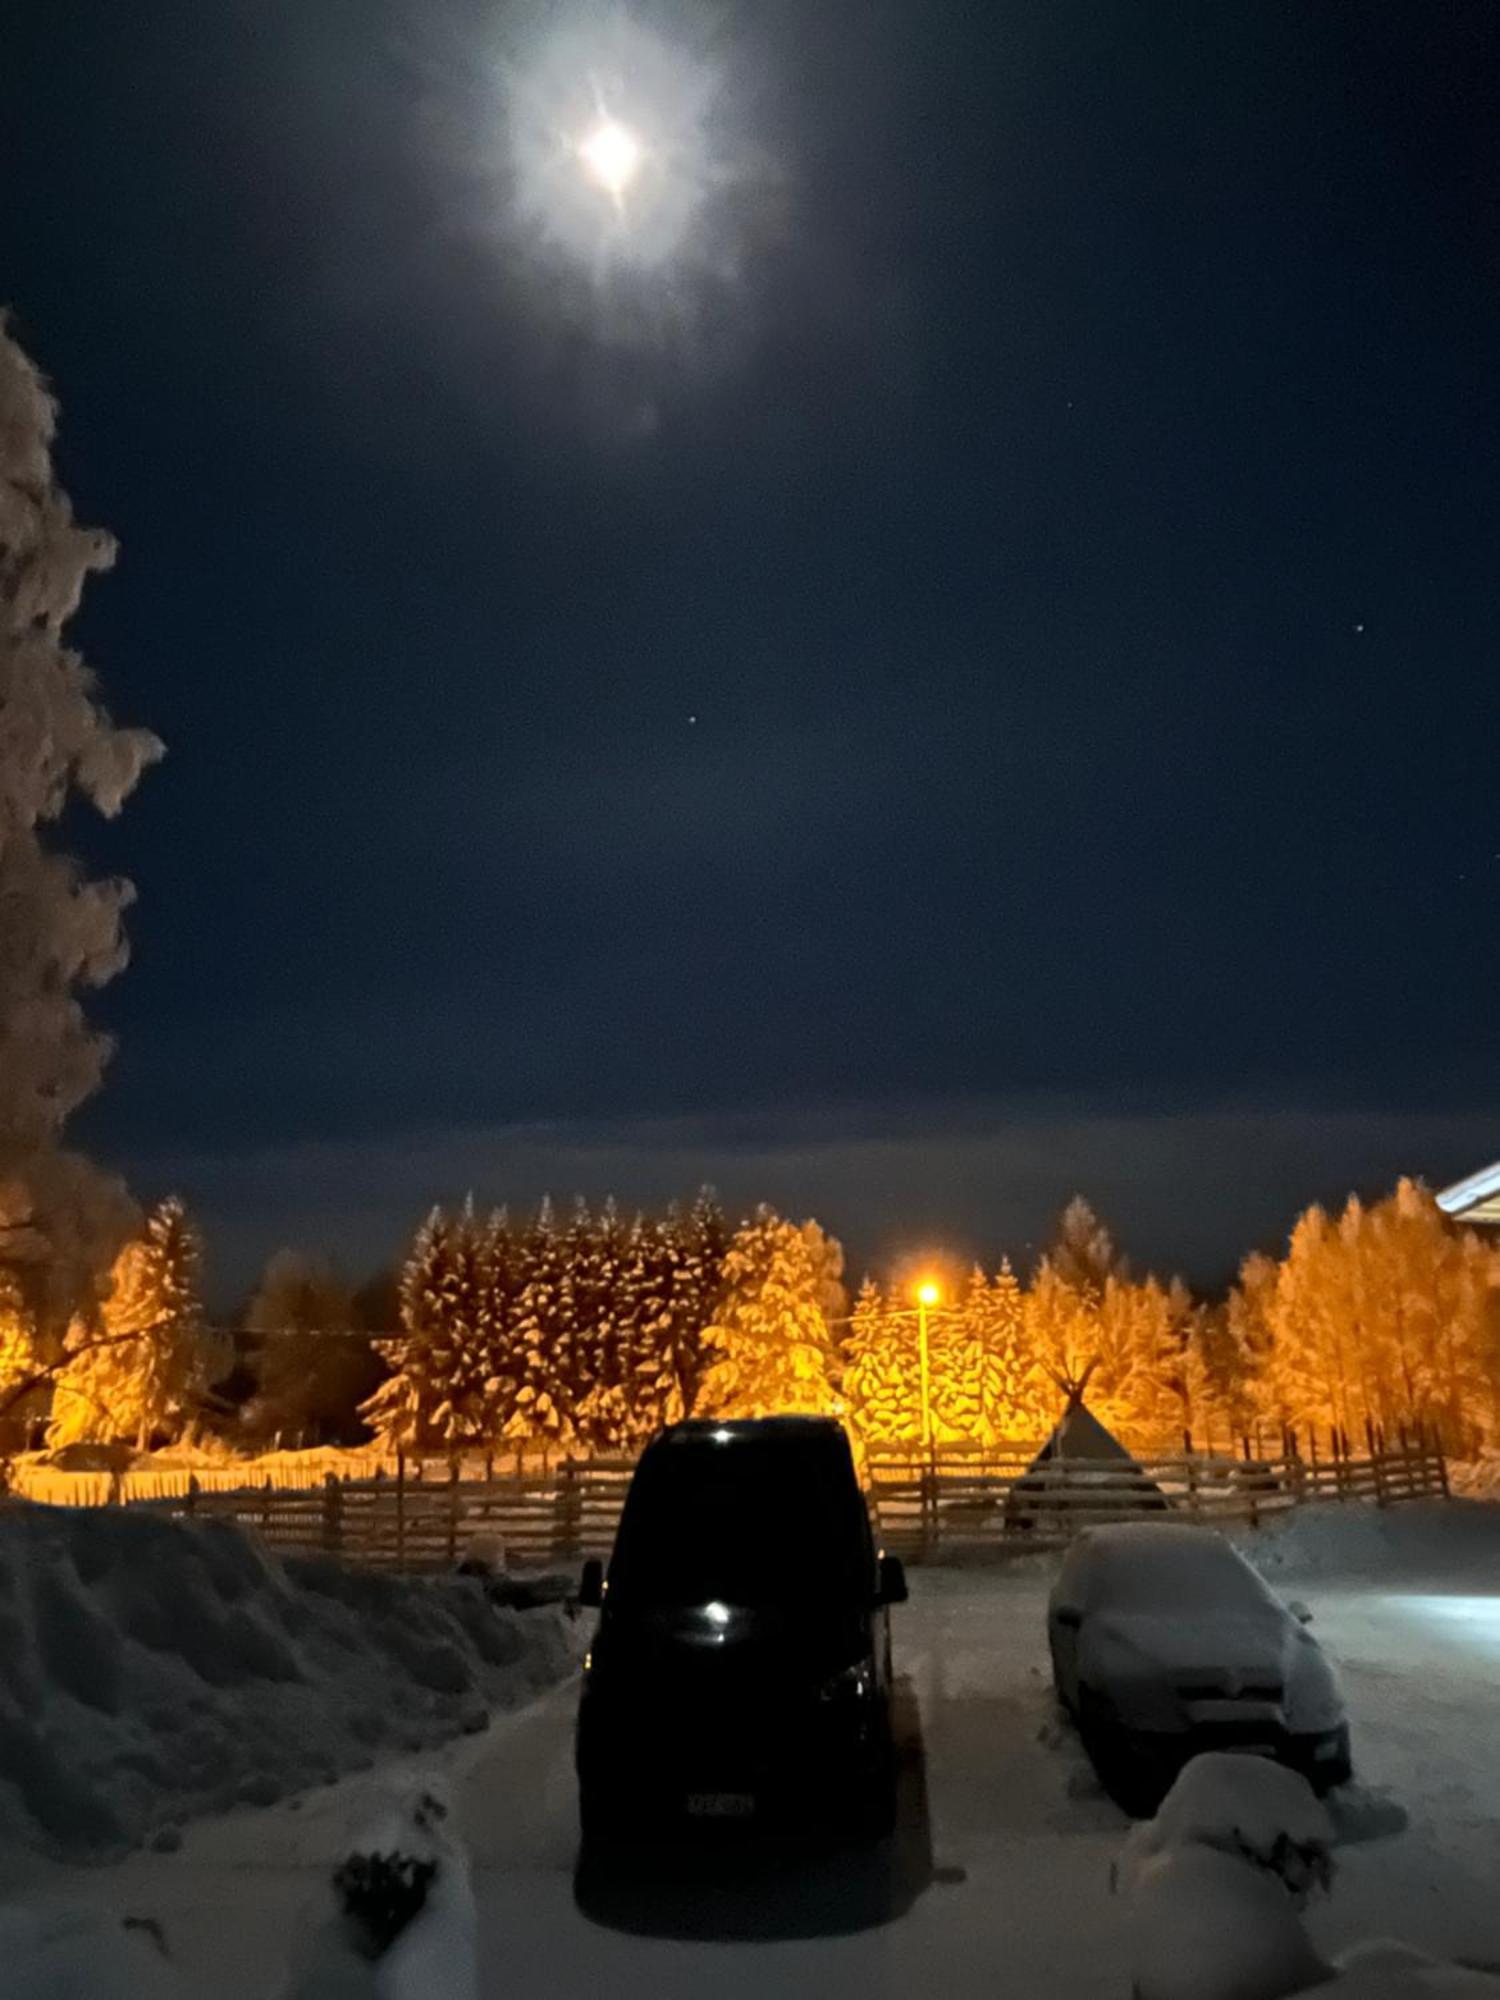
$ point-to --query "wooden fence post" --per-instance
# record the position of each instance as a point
(929, 1505)
(453, 1510)
(400, 1509)
(1442, 1461)
(333, 1515)
(567, 1513)
(1377, 1462)
(193, 1490)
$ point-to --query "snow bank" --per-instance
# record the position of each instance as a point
(1358, 1541)
(152, 1669)
(1477, 1478)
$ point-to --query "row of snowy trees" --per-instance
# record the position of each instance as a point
(1382, 1317)
(1003, 1356)
(583, 1332)
(589, 1331)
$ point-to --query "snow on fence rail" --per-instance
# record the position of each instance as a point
(925, 1508)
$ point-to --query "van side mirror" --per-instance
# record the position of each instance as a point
(591, 1584)
(892, 1585)
(1300, 1611)
(1069, 1616)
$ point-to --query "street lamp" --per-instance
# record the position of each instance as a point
(927, 1295)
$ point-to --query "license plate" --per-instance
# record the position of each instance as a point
(721, 1805)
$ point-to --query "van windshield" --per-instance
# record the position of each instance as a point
(745, 1523)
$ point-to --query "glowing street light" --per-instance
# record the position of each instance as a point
(610, 154)
(927, 1295)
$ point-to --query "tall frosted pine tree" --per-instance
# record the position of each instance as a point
(437, 1394)
(771, 1348)
(543, 1342)
(882, 1371)
(141, 1372)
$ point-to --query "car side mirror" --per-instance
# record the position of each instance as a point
(591, 1584)
(1068, 1615)
(891, 1588)
(1300, 1611)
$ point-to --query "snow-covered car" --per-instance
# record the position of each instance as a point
(1166, 1642)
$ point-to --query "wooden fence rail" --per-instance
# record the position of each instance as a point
(993, 1502)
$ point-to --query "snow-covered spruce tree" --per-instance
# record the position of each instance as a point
(542, 1409)
(1019, 1402)
(313, 1369)
(603, 1416)
(771, 1345)
(882, 1371)
(435, 1398)
(61, 1221)
(500, 1281)
(650, 1374)
(702, 1238)
(141, 1371)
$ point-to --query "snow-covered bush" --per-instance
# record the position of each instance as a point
(1214, 1884)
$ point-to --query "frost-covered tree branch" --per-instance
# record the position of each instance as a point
(60, 933)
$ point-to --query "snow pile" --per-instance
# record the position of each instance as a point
(396, 1919)
(1477, 1478)
(1215, 1881)
(151, 1669)
(1214, 1885)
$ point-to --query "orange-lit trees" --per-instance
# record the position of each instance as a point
(983, 1382)
(438, 1392)
(20, 1362)
(771, 1345)
(313, 1369)
(882, 1374)
(1381, 1318)
(142, 1373)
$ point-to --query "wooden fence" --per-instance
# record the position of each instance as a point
(409, 1523)
(952, 1503)
(972, 1502)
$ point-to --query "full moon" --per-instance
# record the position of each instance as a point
(611, 155)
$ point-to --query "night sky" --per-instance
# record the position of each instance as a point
(974, 679)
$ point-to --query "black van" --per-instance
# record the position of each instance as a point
(741, 1669)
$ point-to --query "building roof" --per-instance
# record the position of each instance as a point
(1475, 1201)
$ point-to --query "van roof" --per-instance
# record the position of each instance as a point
(749, 1430)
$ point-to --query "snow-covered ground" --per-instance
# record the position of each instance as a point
(998, 1882)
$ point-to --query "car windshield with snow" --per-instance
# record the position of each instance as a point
(741, 1668)
(1165, 1641)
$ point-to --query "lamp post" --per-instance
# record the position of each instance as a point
(927, 1295)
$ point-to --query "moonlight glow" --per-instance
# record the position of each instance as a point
(611, 154)
(611, 131)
